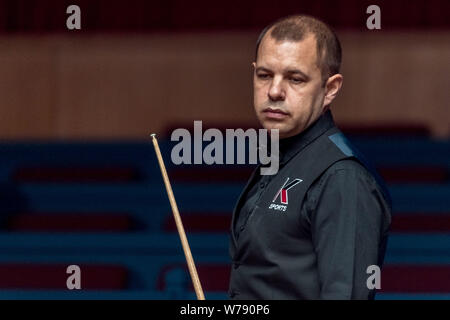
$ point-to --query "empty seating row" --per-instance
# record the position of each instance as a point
(131, 161)
(170, 275)
(147, 197)
(201, 174)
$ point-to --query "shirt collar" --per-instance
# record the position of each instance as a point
(292, 145)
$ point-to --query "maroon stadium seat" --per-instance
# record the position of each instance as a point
(75, 174)
(69, 222)
(415, 279)
(200, 222)
(420, 222)
(54, 276)
(416, 174)
(386, 129)
(206, 174)
(213, 277)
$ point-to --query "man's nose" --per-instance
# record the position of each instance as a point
(276, 90)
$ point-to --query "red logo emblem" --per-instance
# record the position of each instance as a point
(284, 190)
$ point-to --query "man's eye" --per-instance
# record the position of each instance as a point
(296, 80)
(263, 76)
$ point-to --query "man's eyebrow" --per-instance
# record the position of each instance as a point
(297, 71)
(263, 69)
(289, 71)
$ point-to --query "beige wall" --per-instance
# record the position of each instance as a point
(128, 86)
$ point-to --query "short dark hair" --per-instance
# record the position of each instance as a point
(296, 27)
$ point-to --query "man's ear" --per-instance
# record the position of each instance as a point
(332, 87)
(254, 65)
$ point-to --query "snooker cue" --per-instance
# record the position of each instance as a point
(179, 224)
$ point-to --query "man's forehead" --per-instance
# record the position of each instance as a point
(288, 52)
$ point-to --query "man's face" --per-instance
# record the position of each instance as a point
(287, 84)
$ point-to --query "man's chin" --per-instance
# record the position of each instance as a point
(282, 132)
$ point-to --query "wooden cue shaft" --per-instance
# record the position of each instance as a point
(179, 224)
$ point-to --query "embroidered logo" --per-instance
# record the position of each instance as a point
(283, 194)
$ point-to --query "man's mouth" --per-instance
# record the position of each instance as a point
(274, 113)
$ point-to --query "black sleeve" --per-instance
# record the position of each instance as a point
(349, 220)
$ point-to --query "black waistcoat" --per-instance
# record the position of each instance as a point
(274, 257)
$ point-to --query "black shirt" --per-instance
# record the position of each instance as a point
(347, 213)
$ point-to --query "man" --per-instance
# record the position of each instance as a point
(312, 230)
